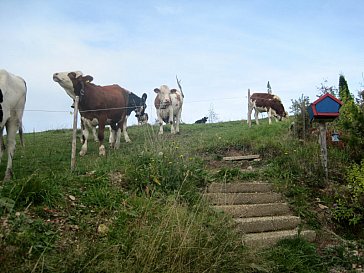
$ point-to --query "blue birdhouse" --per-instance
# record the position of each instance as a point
(325, 108)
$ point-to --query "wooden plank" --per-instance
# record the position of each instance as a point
(240, 157)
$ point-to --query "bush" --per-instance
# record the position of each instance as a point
(350, 204)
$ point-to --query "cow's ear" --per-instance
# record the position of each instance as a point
(72, 75)
(144, 97)
(88, 78)
(156, 90)
(173, 90)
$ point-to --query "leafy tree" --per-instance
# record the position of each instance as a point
(351, 120)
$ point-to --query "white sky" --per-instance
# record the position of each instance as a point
(218, 49)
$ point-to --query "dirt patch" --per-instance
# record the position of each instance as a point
(216, 162)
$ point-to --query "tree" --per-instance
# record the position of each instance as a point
(324, 89)
(351, 120)
(213, 117)
(269, 89)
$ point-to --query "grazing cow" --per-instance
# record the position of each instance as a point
(264, 102)
(12, 98)
(168, 104)
(143, 119)
(203, 120)
(132, 103)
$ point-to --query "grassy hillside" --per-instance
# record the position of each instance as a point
(139, 209)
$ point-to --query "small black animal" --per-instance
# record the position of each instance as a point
(203, 120)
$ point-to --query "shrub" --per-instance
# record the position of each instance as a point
(350, 204)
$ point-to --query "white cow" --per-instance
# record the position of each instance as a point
(168, 104)
(12, 98)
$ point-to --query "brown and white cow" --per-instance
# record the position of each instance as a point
(265, 102)
(13, 92)
(68, 80)
(168, 104)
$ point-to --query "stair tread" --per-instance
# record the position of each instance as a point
(276, 234)
(266, 218)
(240, 187)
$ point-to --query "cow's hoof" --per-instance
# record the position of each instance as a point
(8, 175)
(102, 151)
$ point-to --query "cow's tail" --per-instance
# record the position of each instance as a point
(180, 87)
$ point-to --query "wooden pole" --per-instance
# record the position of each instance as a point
(323, 146)
(249, 110)
(74, 134)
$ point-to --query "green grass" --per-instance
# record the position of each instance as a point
(139, 209)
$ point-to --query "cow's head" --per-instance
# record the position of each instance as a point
(64, 80)
(164, 96)
(79, 82)
(140, 109)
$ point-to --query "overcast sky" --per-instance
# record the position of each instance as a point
(219, 49)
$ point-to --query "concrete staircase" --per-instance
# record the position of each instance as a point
(261, 214)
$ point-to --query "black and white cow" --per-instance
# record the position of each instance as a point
(143, 119)
(265, 102)
(13, 92)
(203, 120)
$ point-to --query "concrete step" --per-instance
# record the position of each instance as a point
(266, 239)
(240, 187)
(255, 210)
(267, 223)
(242, 198)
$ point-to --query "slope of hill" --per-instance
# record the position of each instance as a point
(140, 208)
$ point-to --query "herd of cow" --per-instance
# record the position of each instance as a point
(105, 105)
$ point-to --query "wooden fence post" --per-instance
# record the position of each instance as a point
(249, 110)
(74, 134)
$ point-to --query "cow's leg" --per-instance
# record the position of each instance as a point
(256, 116)
(112, 137)
(125, 132)
(269, 115)
(2, 145)
(171, 120)
(160, 120)
(178, 118)
(11, 129)
(94, 133)
(102, 150)
(118, 137)
(85, 134)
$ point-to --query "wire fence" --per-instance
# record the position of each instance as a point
(51, 141)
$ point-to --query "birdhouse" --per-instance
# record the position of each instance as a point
(325, 108)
